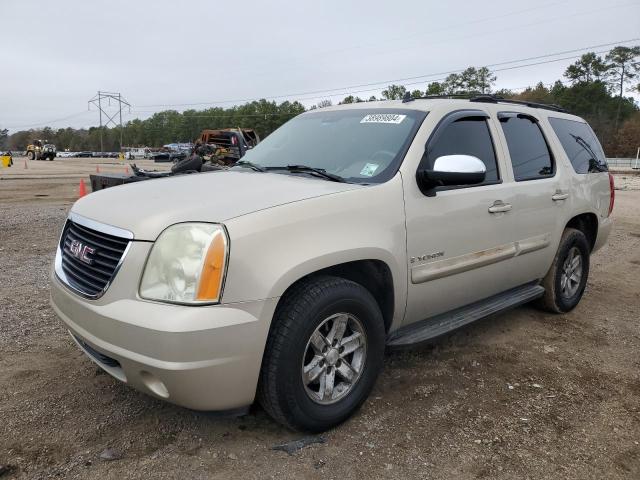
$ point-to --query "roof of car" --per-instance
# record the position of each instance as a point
(486, 103)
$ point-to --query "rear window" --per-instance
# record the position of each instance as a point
(580, 144)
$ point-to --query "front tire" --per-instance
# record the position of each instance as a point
(567, 278)
(323, 355)
(31, 155)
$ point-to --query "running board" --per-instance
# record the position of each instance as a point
(441, 324)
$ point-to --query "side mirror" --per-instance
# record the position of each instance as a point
(452, 170)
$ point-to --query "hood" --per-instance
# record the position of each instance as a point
(146, 208)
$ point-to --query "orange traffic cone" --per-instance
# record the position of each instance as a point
(126, 170)
(97, 168)
(25, 164)
(82, 190)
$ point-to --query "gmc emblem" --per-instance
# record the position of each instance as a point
(81, 251)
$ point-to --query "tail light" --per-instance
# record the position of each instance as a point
(612, 193)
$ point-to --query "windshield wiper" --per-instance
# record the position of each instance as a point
(321, 172)
(252, 166)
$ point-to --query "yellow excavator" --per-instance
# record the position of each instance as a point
(41, 150)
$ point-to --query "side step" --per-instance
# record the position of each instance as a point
(441, 324)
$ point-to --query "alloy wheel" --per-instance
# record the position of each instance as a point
(334, 358)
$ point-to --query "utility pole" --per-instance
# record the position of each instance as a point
(97, 101)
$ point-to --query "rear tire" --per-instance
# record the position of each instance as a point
(307, 361)
(31, 155)
(567, 278)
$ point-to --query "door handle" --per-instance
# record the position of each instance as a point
(499, 207)
(556, 197)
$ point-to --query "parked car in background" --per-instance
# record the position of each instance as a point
(135, 153)
(84, 154)
(167, 156)
(348, 229)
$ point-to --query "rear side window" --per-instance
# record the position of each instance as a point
(465, 136)
(580, 144)
(528, 149)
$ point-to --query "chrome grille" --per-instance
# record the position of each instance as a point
(88, 258)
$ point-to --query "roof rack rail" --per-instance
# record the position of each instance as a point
(487, 98)
(460, 96)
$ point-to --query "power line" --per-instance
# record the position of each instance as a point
(396, 80)
(421, 33)
(374, 85)
(48, 122)
(405, 84)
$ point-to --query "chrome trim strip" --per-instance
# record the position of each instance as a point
(463, 263)
(101, 227)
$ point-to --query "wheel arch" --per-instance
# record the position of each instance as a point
(587, 223)
(373, 274)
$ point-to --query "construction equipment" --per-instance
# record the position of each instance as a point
(41, 150)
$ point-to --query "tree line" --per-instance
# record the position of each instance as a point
(593, 87)
(164, 127)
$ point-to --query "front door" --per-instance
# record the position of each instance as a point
(460, 240)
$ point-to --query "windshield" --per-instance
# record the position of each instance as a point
(359, 145)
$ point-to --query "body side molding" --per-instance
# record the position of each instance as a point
(463, 263)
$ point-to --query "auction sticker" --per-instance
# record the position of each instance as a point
(383, 118)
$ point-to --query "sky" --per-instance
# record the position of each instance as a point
(159, 54)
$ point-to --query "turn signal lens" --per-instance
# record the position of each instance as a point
(212, 274)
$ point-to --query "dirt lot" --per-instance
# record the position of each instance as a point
(521, 395)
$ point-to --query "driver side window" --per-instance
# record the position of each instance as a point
(464, 136)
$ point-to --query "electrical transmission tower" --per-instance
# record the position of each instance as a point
(99, 100)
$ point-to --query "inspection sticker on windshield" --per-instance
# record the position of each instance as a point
(369, 169)
(383, 118)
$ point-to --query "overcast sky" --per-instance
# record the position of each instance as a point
(55, 55)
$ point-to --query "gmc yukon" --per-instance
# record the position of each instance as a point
(347, 230)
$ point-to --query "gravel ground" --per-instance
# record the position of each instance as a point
(521, 395)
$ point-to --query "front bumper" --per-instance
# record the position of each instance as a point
(204, 357)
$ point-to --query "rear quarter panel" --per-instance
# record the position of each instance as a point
(589, 192)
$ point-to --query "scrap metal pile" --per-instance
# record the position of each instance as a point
(214, 150)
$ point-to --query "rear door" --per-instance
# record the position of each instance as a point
(541, 194)
(460, 240)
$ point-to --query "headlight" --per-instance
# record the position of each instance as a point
(186, 265)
